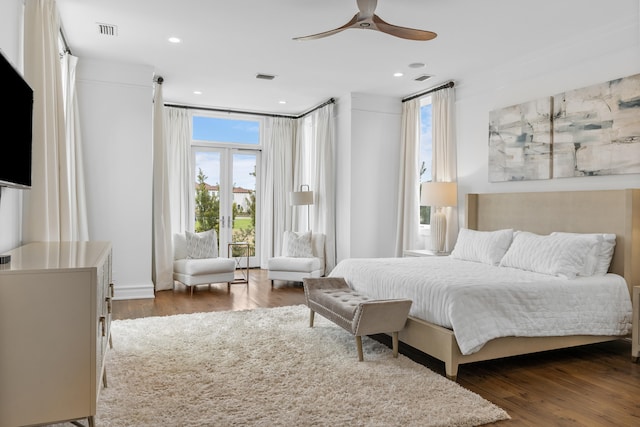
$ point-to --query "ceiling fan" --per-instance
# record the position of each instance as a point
(366, 19)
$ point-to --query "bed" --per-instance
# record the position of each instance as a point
(578, 311)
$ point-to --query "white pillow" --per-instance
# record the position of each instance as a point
(558, 255)
(602, 253)
(202, 245)
(487, 247)
(298, 245)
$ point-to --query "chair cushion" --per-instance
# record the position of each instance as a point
(297, 245)
(294, 264)
(196, 267)
(179, 246)
(202, 245)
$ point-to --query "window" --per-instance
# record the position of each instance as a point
(426, 153)
(225, 160)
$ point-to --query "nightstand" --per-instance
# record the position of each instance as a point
(423, 252)
(635, 335)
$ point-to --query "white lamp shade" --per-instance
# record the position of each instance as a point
(298, 198)
(439, 194)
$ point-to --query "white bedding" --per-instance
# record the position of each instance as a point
(480, 302)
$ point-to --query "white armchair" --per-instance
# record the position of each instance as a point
(196, 260)
(302, 256)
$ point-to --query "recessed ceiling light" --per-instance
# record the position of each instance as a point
(282, 102)
(398, 74)
(197, 92)
(174, 40)
(417, 65)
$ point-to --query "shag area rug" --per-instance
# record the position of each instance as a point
(266, 367)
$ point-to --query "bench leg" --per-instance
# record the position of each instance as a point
(394, 340)
(311, 314)
(359, 345)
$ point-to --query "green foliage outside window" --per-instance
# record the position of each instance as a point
(207, 207)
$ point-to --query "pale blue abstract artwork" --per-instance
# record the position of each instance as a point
(520, 142)
(596, 130)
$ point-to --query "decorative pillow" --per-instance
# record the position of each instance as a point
(202, 245)
(557, 255)
(298, 245)
(602, 253)
(487, 247)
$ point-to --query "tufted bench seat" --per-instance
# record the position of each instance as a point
(332, 298)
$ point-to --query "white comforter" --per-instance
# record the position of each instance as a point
(480, 302)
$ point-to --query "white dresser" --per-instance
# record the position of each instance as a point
(55, 314)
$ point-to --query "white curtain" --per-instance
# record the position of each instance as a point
(323, 181)
(408, 224)
(162, 256)
(277, 160)
(77, 210)
(301, 155)
(177, 134)
(54, 207)
(444, 152)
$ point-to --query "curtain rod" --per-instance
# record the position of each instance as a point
(418, 95)
(67, 49)
(222, 110)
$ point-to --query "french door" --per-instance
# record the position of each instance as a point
(226, 198)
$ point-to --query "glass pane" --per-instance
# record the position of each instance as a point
(425, 155)
(226, 130)
(244, 202)
(207, 182)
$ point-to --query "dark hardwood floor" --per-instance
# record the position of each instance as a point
(594, 385)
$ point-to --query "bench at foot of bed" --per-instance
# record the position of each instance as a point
(360, 315)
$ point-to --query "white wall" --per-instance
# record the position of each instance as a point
(367, 175)
(11, 199)
(369, 130)
(343, 176)
(571, 64)
(116, 118)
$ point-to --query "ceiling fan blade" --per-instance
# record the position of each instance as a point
(349, 24)
(402, 32)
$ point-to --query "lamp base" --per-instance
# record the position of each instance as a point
(438, 231)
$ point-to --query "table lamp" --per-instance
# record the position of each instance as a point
(439, 195)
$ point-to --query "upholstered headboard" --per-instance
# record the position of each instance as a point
(599, 211)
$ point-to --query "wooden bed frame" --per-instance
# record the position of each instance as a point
(601, 211)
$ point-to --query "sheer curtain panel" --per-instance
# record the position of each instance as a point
(323, 181)
(408, 226)
(277, 158)
(51, 212)
(177, 134)
(162, 257)
(77, 211)
(444, 152)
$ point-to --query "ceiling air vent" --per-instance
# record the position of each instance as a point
(107, 29)
(265, 76)
(423, 77)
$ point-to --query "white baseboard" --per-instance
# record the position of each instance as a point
(143, 291)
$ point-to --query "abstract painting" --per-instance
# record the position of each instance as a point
(520, 142)
(596, 130)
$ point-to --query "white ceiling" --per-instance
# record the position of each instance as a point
(225, 43)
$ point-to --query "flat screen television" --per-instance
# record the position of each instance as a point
(16, 122)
